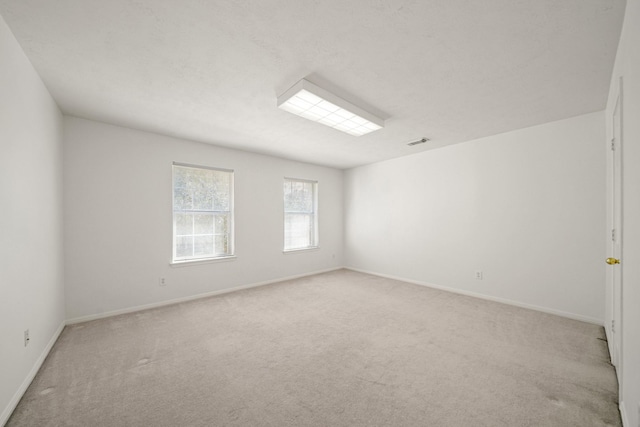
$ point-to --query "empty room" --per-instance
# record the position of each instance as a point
(320, 213)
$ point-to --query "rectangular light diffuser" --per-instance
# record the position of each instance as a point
(312, 102)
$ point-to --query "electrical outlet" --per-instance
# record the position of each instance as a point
(162, 281)
(478, 274)
(26, 337)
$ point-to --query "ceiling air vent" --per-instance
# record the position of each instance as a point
(420, 141)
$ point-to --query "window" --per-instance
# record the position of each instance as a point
(300, 214)
(202, 213)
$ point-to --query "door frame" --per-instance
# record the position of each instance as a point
(615, 288)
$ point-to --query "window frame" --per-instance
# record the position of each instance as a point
(231, 212)
(315, 214)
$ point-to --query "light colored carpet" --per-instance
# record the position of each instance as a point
(336, 349)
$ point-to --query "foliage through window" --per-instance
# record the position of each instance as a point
(300, 214)
(202, 213)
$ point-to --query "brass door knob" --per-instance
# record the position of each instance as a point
(612, 261)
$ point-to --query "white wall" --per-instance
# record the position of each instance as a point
(627, 66)
(526, 207)
(118, 219)
(31, 285)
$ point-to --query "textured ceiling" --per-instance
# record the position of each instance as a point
(210, 71)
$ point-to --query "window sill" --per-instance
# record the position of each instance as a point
(189, 262)
(292, 251)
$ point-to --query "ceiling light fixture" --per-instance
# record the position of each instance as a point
(312, 102)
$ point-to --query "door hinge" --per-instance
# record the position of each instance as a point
(613, 326)
(613, 146)
(613, 234)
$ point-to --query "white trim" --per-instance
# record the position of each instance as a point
(310, 181)
(608, 334)
(568, 315)
(194, 166)
(6, 414)
(308, 248)
(191, 297)
(189, 262)
(623, 415)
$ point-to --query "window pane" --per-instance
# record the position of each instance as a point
(307, 197)
(182, 198)
(297, 231)
(300, 218)
(184, 224)
(203, 199)
(221, 185)
(202, 212)
(222, 244)
(222, 224)
(203, 223)
(180, 176)
(203, 246)
(184, 247)
(298, 196)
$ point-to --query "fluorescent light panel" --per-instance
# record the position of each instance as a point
(312, 102)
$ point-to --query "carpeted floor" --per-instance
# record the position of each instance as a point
(336, 349)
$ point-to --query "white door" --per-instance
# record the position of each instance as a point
(614, 275)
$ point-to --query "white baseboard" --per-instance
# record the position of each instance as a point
(23, 387)
(608, 333)
(621, 406)
(6, 414)
(573, 316)
(27, 381)
(190, 298)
